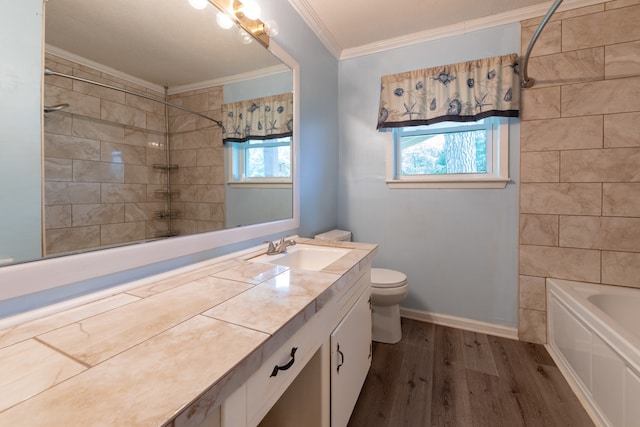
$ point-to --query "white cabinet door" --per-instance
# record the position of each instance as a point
(350, 359)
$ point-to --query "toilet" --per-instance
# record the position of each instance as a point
(388, 289)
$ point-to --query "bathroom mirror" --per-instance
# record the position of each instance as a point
(121, 169)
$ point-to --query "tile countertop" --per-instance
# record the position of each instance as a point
(164, 353)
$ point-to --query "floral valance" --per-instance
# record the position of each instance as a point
(260, 118)
(463, 92)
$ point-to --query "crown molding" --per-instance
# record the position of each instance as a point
(483, 23)
(403, 41)
(263, 72)
(61, 53)
(311, 18)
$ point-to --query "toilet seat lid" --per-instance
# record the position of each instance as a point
(385, 278)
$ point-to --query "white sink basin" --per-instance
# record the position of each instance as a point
(305, 257)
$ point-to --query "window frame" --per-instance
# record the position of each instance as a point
(497, 159)
(236, 177)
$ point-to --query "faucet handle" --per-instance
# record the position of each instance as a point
(271, 248)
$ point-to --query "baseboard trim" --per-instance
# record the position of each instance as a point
(460, 323)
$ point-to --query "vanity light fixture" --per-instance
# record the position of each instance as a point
(250, 9)
(245, 15)
(224, 21)
(272, 28)
(245, 38)
(199, 4)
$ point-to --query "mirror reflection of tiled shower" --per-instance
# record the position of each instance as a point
(119, 168)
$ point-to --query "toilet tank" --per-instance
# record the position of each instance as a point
(334, 235)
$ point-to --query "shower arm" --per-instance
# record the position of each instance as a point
(58, 107)
(48, 72)
(525, 80)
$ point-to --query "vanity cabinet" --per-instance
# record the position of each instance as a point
(350, 359)
(319, 385)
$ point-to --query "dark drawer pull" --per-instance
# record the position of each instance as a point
(288, 365)
(341, 359)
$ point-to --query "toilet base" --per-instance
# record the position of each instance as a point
(386, 323)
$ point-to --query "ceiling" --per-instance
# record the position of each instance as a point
(171, 46)
(355, 24)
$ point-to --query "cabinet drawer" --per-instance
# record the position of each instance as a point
(267, 384)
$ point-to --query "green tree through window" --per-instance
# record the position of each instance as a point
(443, 153)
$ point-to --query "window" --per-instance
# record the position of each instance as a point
(261, 161)
(450, 154)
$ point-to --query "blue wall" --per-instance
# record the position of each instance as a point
(458, 247)
(258, 87)
(20, 115)
(319, 119)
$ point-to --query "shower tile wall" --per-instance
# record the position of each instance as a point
(196, 146)
(100, 185)
(580, 155)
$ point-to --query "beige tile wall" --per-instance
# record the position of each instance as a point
(580, 155)
(196, 146)
(101, 187)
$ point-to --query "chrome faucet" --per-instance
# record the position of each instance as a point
(280, 247)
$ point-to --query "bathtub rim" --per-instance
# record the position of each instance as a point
(572, 297)
(623, 342)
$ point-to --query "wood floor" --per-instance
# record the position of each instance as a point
(439, 376)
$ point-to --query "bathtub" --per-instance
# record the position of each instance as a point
(594, 337)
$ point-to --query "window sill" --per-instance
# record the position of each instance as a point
(450, 183)
(260, 184)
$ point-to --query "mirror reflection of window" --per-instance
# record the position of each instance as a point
(263, 160)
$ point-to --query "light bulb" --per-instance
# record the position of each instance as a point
(199, 4)
(224, 21)
(251, 9)
(272, 28)
(245, 38)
